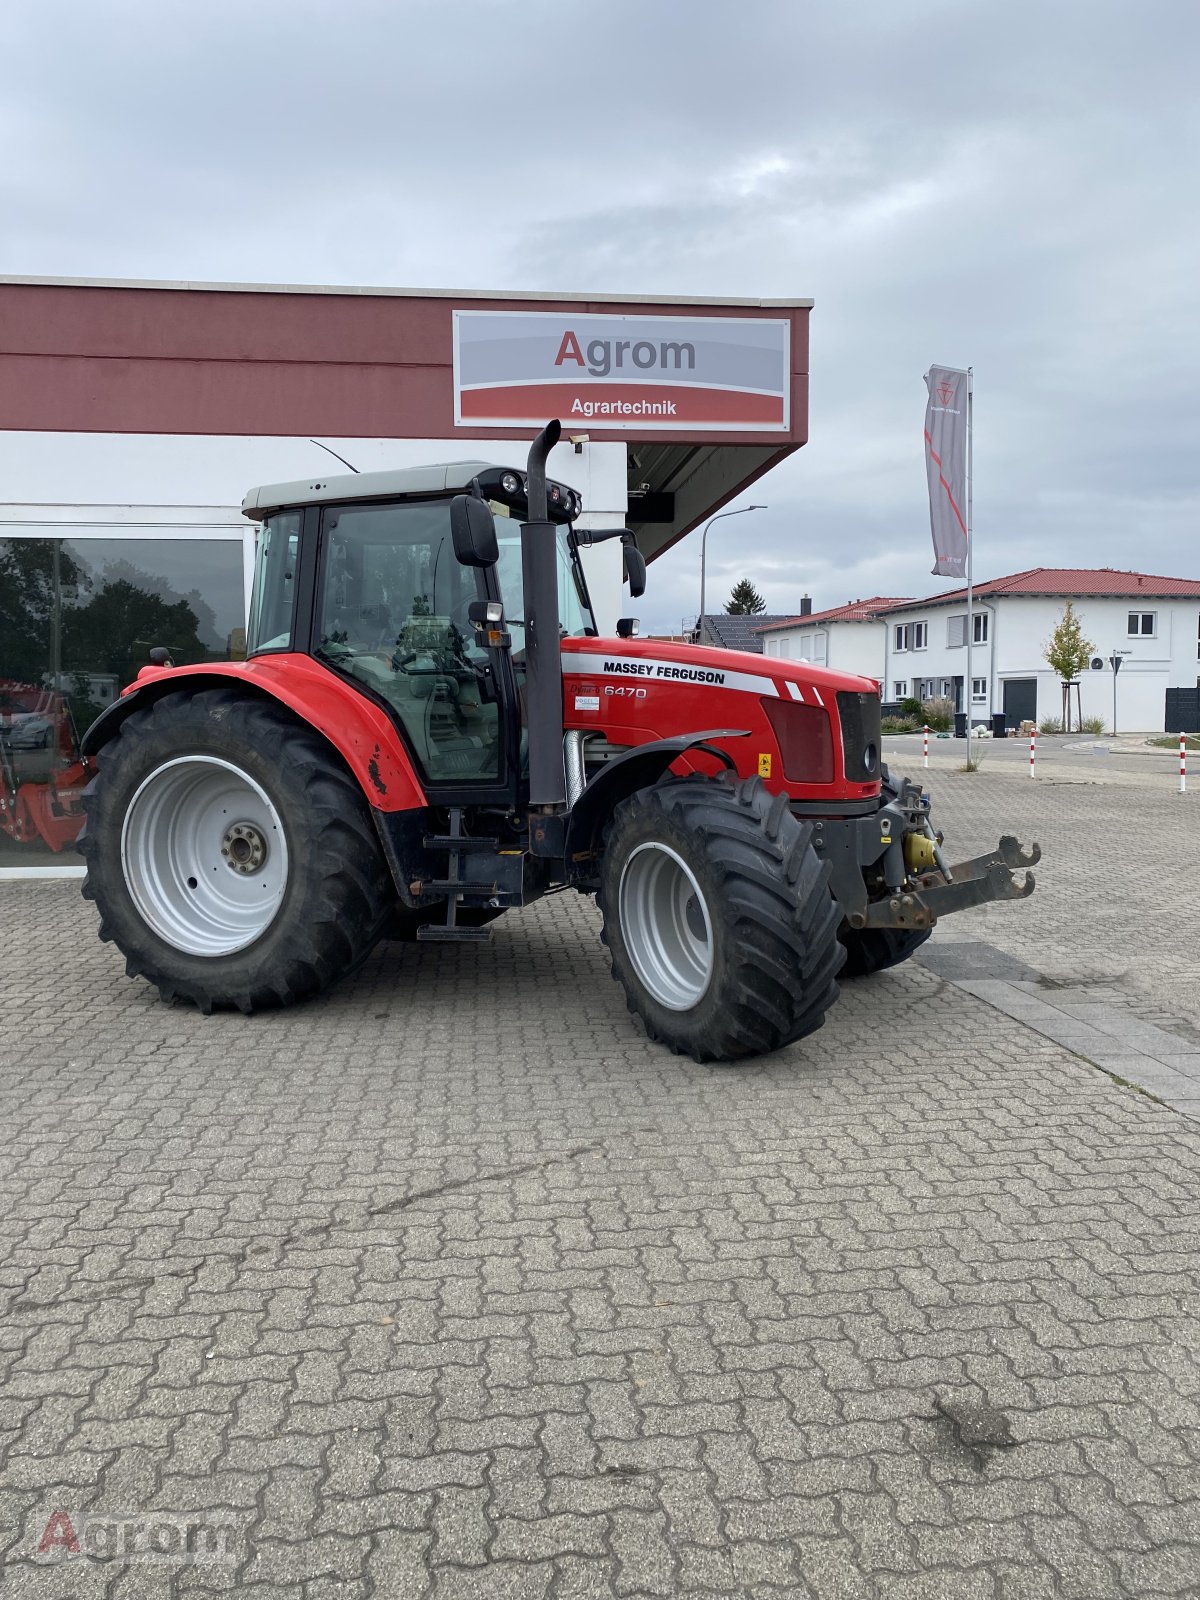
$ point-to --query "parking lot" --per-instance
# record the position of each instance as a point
(450, 1283)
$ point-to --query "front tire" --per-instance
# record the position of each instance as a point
(870, 950)
(718, 917)
(231, 857)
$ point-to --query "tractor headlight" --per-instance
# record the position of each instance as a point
(510, 483)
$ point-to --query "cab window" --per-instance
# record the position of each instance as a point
(393, 614)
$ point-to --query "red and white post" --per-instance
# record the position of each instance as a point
(926, 748)
(1033, 754)
(1183, 763)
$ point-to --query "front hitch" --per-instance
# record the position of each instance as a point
(970, 883)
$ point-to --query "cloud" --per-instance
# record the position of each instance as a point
(1001, 186)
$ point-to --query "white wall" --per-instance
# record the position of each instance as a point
(855, 647)
(599, 472)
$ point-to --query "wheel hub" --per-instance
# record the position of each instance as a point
(204, 855)
(666, 926)
(244, 848)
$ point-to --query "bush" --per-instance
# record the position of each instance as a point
(899, 725)
(1092, 725)
(911, 708)
(938, 714)
(1050, 725)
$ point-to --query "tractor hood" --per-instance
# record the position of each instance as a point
(650, 661)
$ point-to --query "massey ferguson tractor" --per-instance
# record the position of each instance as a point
(429, 731)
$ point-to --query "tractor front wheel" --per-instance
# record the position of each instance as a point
(718, 917)
(870, 950)
(231, 857)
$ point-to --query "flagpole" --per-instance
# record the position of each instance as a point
(969, 686)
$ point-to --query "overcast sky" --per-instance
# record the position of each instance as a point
(1011, 186)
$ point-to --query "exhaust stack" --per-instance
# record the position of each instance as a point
(543, 662)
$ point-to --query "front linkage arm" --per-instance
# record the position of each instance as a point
(972, 883)
(887, 871)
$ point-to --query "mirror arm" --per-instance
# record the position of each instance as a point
(586, 537)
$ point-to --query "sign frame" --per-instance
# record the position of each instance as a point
(630, 422)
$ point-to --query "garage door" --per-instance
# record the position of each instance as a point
(1020, 701)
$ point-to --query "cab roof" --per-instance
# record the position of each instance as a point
(446, 477)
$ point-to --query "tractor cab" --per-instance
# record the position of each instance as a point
(410, 585)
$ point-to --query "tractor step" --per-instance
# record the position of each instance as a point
(450, 841)
(440, 933)
(473, 893)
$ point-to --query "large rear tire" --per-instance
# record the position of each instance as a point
(231, 857)
(718, 917)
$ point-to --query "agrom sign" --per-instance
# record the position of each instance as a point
(516, 368)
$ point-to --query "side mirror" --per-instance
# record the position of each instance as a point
(635, 570)
(474, 532)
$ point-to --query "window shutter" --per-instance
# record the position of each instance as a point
(957, 633)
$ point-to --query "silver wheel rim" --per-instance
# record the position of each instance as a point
(666, 927)
(204, 856)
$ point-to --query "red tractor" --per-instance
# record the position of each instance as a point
(428, 731)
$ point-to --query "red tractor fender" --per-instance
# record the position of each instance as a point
(360, 731)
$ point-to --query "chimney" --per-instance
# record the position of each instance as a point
(806, 605)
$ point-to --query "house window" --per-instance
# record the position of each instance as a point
(900, 689)
(1142, 624)
(901, 636)
(920, 635)
(979, 690)
(956, 629)
(946, 687)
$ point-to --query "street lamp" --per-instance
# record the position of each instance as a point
(703, 548)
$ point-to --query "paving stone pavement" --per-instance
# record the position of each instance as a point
(451, 1284)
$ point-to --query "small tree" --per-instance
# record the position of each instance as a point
(1068, 652)
(745, 601)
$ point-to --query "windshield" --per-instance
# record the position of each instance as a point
(575, 620)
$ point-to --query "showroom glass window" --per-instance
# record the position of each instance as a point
(78, 617)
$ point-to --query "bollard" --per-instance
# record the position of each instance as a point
(1033, 754)
(926, 744)
(1183, 763)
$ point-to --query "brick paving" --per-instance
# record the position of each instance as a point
(450, 1284)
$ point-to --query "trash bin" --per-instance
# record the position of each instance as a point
(999, 725)
(960, 724)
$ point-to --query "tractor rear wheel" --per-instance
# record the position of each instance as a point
(231, 857)
(718, 917)
(871, 950)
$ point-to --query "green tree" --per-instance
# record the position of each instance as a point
(745, 601)
(113, 632)
(27, 580)
(1068, 651)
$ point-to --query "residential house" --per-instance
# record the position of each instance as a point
(849, 638)
(732, 632)
(1151, 623)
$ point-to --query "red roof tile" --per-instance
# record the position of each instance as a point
(852, 611)
(1071, 582)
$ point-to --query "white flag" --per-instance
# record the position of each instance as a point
(946, 468)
